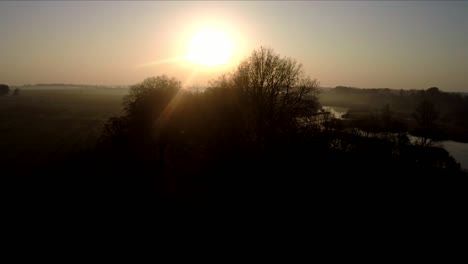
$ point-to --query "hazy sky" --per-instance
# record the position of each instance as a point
(410, 45)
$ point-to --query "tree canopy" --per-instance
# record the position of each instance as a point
(274, 89)
(253, 129)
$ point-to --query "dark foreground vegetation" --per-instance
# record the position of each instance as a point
(254, 139)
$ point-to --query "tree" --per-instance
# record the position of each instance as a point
(426, 116)
(275, 92)
(4, 89)
(386, 116)
(389, 123)
(134, 144)
(16, 92)
(147, 108)
(251, 114)
(433, 91)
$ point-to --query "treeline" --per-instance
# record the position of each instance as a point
(451, 108)
(258, 132)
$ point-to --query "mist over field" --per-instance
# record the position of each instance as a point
(50, 120)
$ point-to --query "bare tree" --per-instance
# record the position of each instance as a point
(426, 116)
(274, 89)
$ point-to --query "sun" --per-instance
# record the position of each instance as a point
(210, 48)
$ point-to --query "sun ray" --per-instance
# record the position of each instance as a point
(166, 114)
(190, 78)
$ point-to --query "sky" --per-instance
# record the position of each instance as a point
(368, 44)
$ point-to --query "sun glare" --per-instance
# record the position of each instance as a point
(210, 48)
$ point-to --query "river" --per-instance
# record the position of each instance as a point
(458, 150)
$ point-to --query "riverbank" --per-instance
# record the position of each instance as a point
(457, 149)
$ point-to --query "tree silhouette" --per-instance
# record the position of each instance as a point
(4, 89)
(254, 131)
(241, 116)
(426, 116)
(16, 92)
(275, 91)
(433, 91)
(146, 111)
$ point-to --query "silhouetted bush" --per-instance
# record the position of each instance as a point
(4, 89)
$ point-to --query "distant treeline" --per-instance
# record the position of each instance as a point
(452, 108)
(62, 85)
(399, 100)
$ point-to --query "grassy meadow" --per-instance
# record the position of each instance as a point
(43, 123)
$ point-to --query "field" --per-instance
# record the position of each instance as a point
(44, 123)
